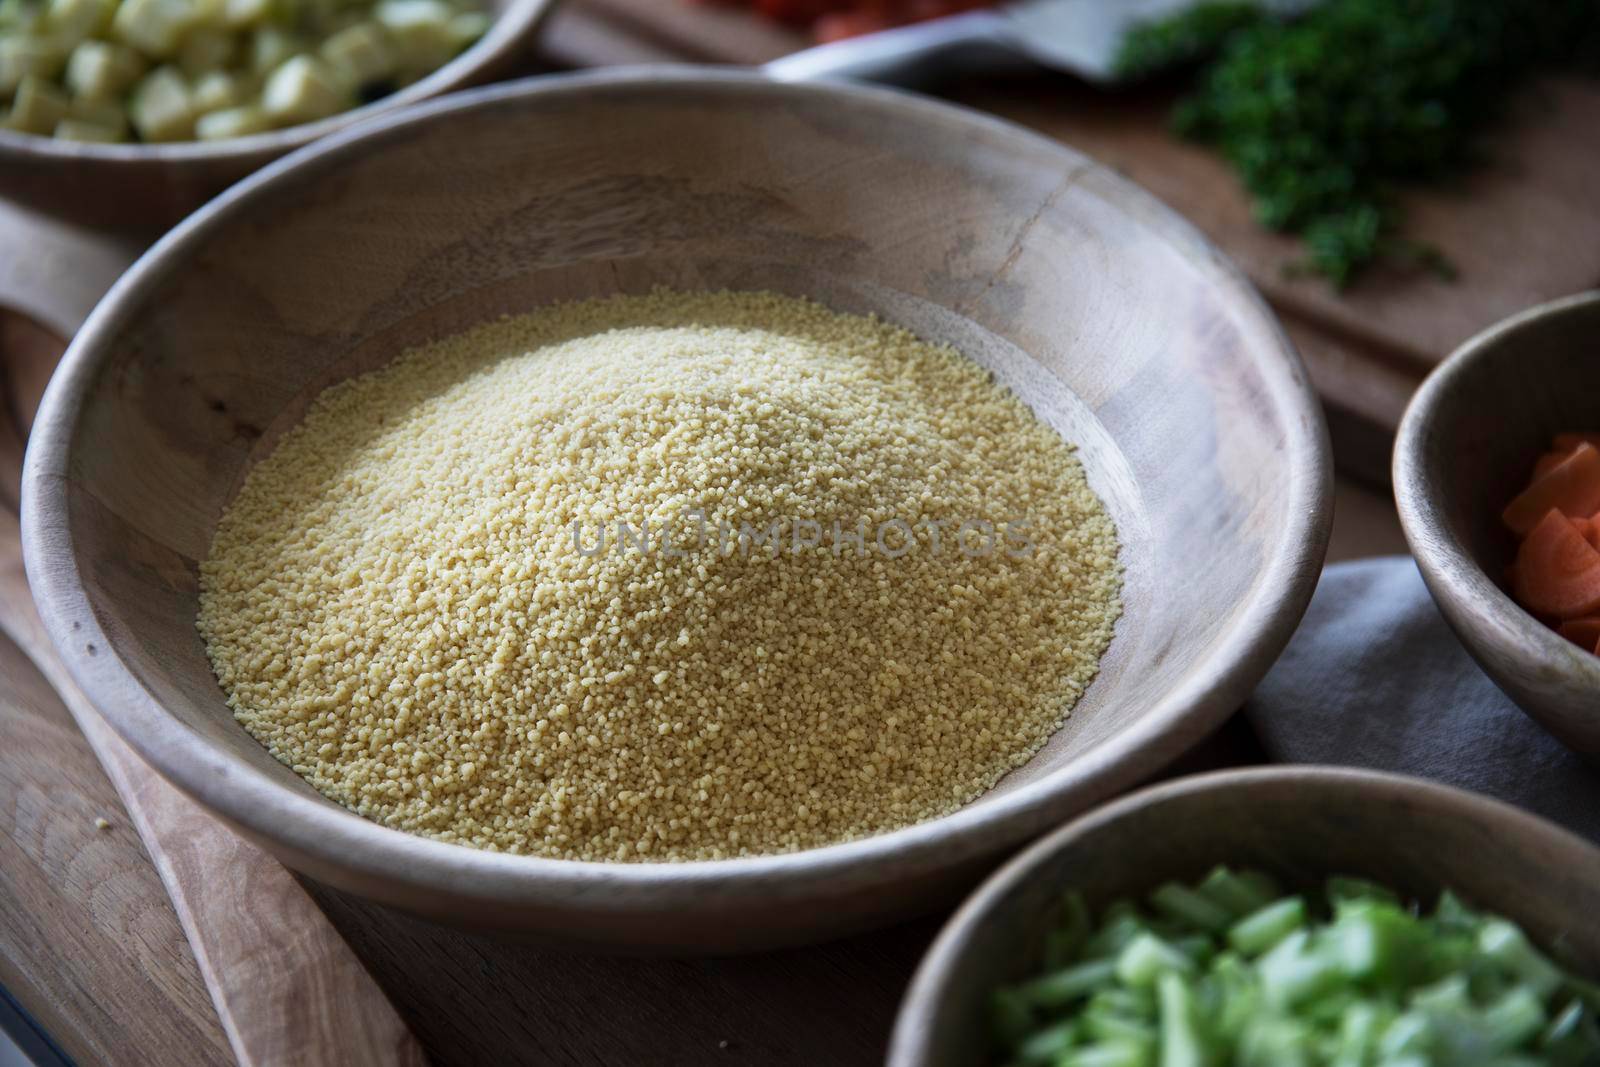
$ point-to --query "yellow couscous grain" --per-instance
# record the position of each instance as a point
(682, 576)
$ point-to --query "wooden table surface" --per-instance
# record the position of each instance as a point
(91, 949)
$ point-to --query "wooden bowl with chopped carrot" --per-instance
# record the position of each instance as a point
(1497, 477)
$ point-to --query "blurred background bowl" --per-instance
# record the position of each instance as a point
(149, 187)
(1110, 315)
(1298, 823)
(1465, 448)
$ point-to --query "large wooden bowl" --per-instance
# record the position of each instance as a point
(1106, 311)
(1300, 823)
(148, 187)
(1465, 447)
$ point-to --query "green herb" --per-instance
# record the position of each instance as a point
(1325, 115)
(1230, 972)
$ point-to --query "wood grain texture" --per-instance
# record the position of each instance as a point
(1464, 451)
(88, 942)
(1299, 823)
(1110, 316)
(286, 987)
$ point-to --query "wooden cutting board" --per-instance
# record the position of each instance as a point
(1523, 229)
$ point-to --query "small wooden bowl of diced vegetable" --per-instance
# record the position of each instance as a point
(132, 113)
(1497, 478)
(1273, 917)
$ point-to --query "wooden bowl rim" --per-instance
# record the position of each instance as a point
(1450, 571)
(908, 1045)
(335, 840)
(510, 29)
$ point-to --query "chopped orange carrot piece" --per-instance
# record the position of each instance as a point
(1584, 632)
(1558, 571)
(1573, 487)
(1566, 442)
(1549, 462)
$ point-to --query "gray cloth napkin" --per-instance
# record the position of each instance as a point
(1375, 678)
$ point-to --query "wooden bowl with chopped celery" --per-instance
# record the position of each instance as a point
(1282, 917)
(132, 113)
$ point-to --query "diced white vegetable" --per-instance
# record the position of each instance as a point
(467, 27)
(243, 14)
(70, 21)
(215, 91)
(419, 30)
(92, 132)
(154, 27)
(232, 122)
(22, 56)
(37, 107)
(98, 70)
(270, 48)
(302, 90)
(160, 108)
(359, 55)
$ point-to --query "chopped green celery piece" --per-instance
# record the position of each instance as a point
(1343, 888)
(302, 90)
(1046, 1046)
(1181, 1042)
(419, 30)
(1374, 939)
(21, 57)
(1297, 969)
(270, 48)
(1276, 1041)
(1408, 1034)
(1514, 1019)
(359, 55)
(70, 21)
(88, 132)
(1260, 930)
(216, 91)
(160, 108)
(1447, 1000)
(1109, 1054)
(1009, 1017)
(37, 107)
(100, 70)
(1363, 1021)
(206, 51)
(1198, 947)
(1237, 992)
(1146, 958)
(1065, 986)
(1453, 914)
(1114, 1026)
(1121, 925)
(232, 122)
(1238, 894)
(154, 27)
(1504, 942)
(1185, 905)
(1119, 1000)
